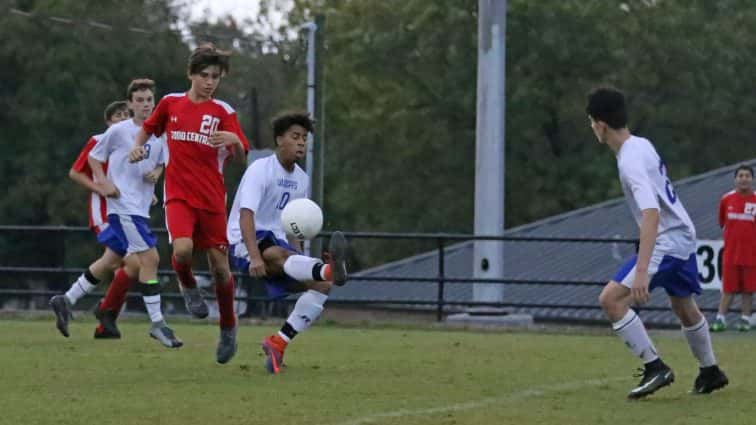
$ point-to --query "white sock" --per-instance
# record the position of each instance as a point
(300, 267)
(699, 341)
(746, 318)
(630, 328)
(721, 317)
(78, 289)
(152, 303)
(306, 310)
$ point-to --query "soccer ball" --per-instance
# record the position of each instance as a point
(302, 219)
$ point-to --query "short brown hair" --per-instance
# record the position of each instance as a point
(284, 120)
(113, 107)
(207, 55)
(140, 84)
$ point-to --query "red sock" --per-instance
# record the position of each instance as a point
(117, 292)
(225, 295)
(184, 272)
(327, 273)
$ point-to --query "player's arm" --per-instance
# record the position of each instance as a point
(248, 231)
(104, 186)
(648, 230)
(645, 197)
(230, 140)
(154, 125)
(83, 180)
(154, 175)
(722, 212)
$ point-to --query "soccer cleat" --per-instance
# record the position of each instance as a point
(62, 310)
(338, 249)
(195, 303)
(743, 325)
(653, 379)
(226, 345)
(273, 347)
(718, 325)
(107, 319)
(102, 333)
(161, 332)
(709, 379)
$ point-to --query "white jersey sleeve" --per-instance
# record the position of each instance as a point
(640, 186)
(104, 146)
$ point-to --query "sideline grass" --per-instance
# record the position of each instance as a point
(353, 376)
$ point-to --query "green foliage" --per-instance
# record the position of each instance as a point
(399, 97)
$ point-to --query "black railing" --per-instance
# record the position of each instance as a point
(441, 279)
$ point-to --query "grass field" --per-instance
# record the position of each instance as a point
(350, 376)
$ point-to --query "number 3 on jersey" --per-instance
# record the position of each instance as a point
(284, 200)
(671, 195)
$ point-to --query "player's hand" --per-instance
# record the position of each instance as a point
(257, 268)
(639, 288)
(108, 189)
(137, 154)
(223, 138)
(155, 200)
(153, 176)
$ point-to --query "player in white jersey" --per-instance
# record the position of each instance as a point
(129, 189)
(259, 246)
(666, 253)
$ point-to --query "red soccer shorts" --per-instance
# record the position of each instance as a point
(736, 279)
(206, 229)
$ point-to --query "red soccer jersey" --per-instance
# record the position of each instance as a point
(737, 215)
(98, 211)
(194, 172)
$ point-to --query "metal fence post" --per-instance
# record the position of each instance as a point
(441, 278)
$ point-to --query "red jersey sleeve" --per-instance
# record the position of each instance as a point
(155, 124)
(722, 211)
(82, 164)
(231, 123)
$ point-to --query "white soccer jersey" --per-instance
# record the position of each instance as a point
(645, 184)
(265, 189)
(136, 192)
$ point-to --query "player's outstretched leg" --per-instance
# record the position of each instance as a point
(709, 379)
(656, 375)
(338, 248)
(61, 307)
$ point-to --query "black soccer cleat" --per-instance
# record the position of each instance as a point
(709, 379)
(338, 249)
(62, 310)
(107, 319)
(653, 379)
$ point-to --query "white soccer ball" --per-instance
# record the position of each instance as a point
(302, 219)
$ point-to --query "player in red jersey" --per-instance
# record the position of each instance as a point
(82, 174)
(737, 216)
(202, 134)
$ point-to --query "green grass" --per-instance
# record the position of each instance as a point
(350, 376)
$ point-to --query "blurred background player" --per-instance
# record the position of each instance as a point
(737, 217)
(81, 173)
(129, 196)
(666, 253)
(259, 245)
(202, 133)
